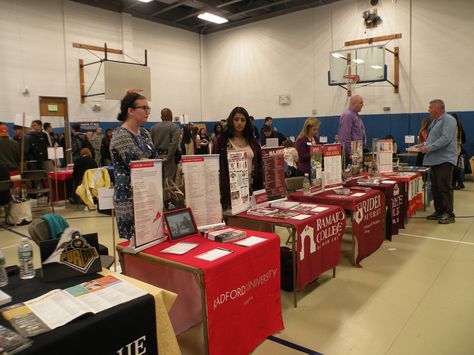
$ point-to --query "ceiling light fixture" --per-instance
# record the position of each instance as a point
(212, 18)
(376, 67)
(145, 0)
(358, 61)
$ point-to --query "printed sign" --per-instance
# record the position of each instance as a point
(274, 172)
(332, 165)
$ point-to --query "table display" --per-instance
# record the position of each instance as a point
(315, 237)
(58, 176)
(236, 295)
(367, 209)
(99, 333)
(395, 199)
(414, 187)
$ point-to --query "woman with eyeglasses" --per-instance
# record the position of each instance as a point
(129, 142)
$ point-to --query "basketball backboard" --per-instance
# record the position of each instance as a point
(366, 62)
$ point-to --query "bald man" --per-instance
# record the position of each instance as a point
(165, 137)
(351, 127)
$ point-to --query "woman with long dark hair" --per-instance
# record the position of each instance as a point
(106, 158)
(239, 136)
(129, 142)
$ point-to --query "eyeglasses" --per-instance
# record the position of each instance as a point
(147, 109)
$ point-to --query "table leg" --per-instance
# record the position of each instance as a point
(333, 272)
(353, 241)
(204, 312)
(293, 247)
(65, 193)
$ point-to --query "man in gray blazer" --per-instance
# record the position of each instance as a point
(165, 137)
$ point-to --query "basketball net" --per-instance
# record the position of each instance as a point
(351, 81)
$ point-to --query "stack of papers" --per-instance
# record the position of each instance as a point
(180, 248)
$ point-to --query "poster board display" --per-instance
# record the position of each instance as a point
(201, 184)
(384, 155)
(147, 187)
(357, 152)
(273, 160)
(238, 181)
(332, 165)
(316, 158)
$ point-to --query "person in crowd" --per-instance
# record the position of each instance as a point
(395, 146)
(291, 158)
(165, 137)
(351, 127)
(105, 148)
(239, 136)
(217, 132)
(48, 130)
(84, 163)
(187, 143)
(267, 123)
(307, 137)
(223, 123)
(129, 142)
(422, 137)
(255, 129)
(204, 142)
(36, 148)
(78, 141)
(195, 137)
(96, 142)
(441, 156)
(268, 132)
(9, 151)
(458, 173)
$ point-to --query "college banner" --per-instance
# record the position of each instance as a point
(319, 245)
(368, 226)
(274, 172)
(332, 165)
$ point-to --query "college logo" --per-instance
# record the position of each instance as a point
(78, 254)
(358, 215)
(307, 232)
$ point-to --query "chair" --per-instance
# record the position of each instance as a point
(294, 183)
(5, 187)
(39, 231)
(33, 182)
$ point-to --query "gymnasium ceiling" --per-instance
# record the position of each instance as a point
(183, 13)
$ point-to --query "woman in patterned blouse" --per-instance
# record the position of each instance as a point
(129, 142)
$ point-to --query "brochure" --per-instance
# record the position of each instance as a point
(59, 307)
(12, 342)
(180, 248)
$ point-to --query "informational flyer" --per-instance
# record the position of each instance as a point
(238, 181)
(357, 153)
(316, 157)
(147, 186)
(201, 183)
(384, 155)
(274, 172)
(332, 165)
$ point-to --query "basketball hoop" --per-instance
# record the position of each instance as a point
(351, 80)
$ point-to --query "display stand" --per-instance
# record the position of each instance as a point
(147, 188)
(273, 160)
(201, 182)
(238, 181)
(332, 166)
(106, 202)
(384, 155)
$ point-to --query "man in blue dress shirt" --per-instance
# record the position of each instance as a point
(441, 156)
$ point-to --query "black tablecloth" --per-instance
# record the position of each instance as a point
(103, 333)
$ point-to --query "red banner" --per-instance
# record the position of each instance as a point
(368, 226)
(319, 245)
(242, 290)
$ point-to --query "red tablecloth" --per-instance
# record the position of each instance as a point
(396, 200)
(318, 242)
(368, 213)
(414, 187)
(60, 175)
(242, 290)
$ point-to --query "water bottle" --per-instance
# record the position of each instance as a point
(306, 185)
(3, 271)
(25, 256)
